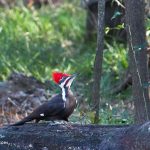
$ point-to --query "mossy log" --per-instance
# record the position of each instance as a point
(45, 136)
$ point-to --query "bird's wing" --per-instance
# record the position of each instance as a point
(51, 108)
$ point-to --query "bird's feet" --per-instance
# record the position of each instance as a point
(63, 124)
(51, 123)
(68, 125)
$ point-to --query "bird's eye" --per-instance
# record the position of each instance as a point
(62, 80)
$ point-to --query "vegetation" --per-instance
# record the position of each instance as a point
(37, 42)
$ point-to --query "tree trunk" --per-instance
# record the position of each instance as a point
(135, 26)
(98, 59)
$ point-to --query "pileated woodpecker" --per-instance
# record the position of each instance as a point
(60, 107)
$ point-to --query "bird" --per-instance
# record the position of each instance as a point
(60, 107)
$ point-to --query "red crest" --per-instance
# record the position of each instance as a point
(57, 76)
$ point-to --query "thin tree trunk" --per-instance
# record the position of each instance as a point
(98, 59)
(135, 26)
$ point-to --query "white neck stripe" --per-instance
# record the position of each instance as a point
(62, 85)
(63, 94)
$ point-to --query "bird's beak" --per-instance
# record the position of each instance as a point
(74, 76)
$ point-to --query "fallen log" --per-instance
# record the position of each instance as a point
(80, 137)
(53, 137)
(135, 137)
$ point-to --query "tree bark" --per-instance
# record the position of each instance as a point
(80, 137)
(135, 26)
(98, 59)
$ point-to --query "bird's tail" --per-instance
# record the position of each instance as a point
(23, 121)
